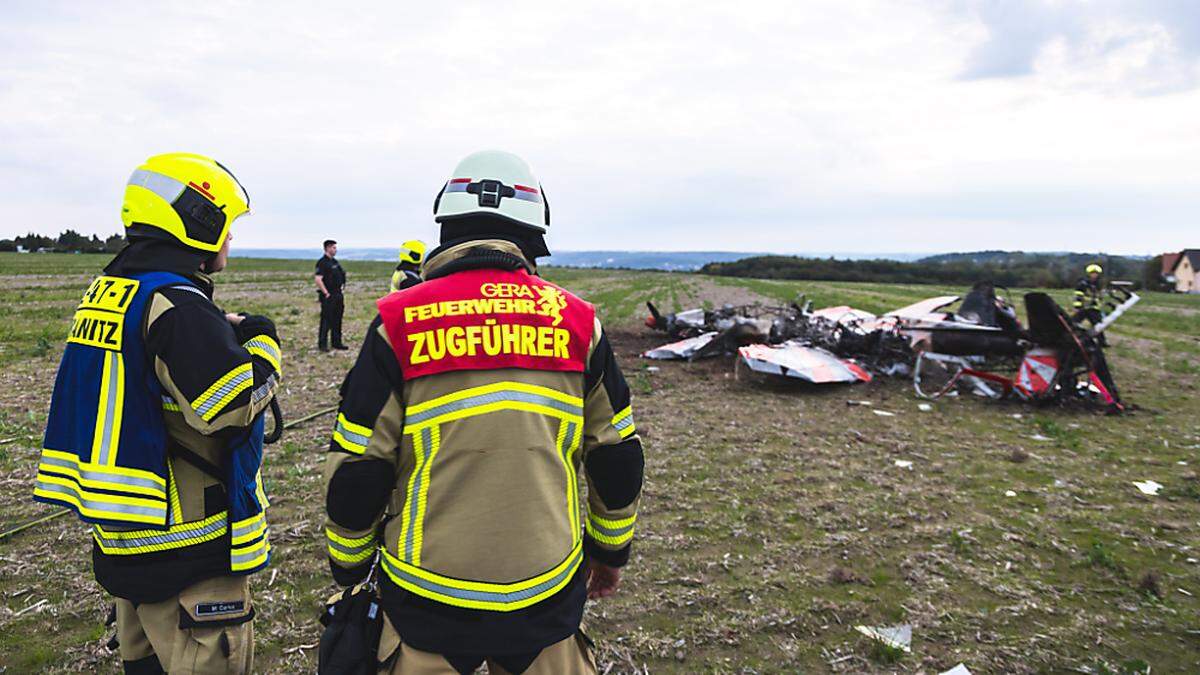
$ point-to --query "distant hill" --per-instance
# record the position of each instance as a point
(1010, 258)
(674, 261)
(1006, 268)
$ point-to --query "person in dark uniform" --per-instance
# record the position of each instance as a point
(331, 282)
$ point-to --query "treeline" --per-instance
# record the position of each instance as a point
(1013, 269)
(67, 242)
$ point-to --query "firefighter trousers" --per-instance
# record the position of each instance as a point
(331, 321)
(572, 656)
(207, 628)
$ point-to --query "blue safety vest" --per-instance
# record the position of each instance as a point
(104, 454)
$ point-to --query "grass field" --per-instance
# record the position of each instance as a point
(774, 517)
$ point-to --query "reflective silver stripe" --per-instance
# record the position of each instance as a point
(219, 394)
(493, 397)
(244, 529)
(624, 422)
(352, 551)
(164, 186)
(99, 477)
(110, 404)
(617, 533)
(158, 539)
(110, 507)
(263, 389)
(265, 346)
(426, 441)
(487, 596)
(242, 558)
(193, 289)
(356, 438)
(568, 442)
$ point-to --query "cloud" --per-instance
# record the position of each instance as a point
(1147, 47)
(821, 126)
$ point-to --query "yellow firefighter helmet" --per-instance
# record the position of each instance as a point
(412, 251)
(191, 199)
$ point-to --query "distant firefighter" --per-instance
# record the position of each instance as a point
(408, 272)
(1088, 294)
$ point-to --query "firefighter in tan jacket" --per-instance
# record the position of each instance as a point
(155, 429)
(477, 399)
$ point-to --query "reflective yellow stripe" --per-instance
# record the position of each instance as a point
(250, 557)
(116, 479)
(260, 490)
(100, 506)
(623, 422)
(249, 529)
(351, 551)
(264, 346)
(183, 535)
(209, 404)
(480, 594)
(173, 496)
(568, 442)
(352, 438)
(611, 532)
(246, 556)
(434, 438)
(492, 398)
(494, 387)
(109, 408)
(412, 528)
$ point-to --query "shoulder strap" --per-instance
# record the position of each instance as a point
(178, 450)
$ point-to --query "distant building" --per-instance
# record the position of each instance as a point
(1187, 271)
(1168, 267)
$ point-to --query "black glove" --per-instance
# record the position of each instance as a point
(253, 325)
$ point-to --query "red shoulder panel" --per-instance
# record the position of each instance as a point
(485, 320)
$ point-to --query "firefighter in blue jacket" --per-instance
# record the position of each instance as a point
(155, 430)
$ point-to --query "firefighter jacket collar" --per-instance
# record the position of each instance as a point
(442, 257)
(155, 255)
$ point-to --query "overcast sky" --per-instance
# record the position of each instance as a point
(792, 126)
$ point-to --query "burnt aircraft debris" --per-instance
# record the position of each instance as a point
(834, 344)
(982, 347)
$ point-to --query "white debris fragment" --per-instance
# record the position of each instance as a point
(653, 369)
(1039, 437)
(924, 407)
(960, 669)
(1181, 463)
(1016, 416)
(1009, 493)
(865, 404)
(1058, 482)
(1148, 487)
(896, 637)
(884, 413)
(903, 463)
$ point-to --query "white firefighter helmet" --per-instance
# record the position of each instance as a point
(494, 183)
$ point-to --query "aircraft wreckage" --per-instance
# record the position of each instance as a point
(1053, 358)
